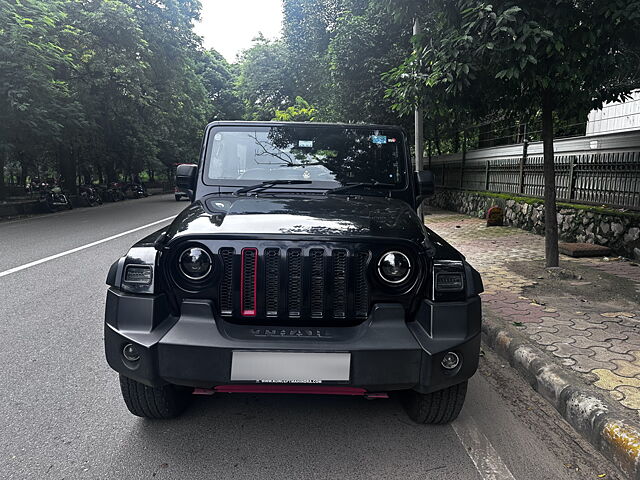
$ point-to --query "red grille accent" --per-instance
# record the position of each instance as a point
(248, 281)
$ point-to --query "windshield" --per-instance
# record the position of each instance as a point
(324, 155)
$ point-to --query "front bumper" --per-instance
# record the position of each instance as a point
(387, 352)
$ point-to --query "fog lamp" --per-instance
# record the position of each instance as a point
(130, 352)
(450, 361)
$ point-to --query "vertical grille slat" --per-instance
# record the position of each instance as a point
(294, 272)
(317, 282)
(361, 290)
(272, 280)
(339, 283)
(249, 275)
(226, 283)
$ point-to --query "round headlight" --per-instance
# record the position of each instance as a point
(195, 263)
(394, 267)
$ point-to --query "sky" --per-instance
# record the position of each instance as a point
(230, 25)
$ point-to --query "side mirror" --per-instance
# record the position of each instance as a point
(186, 175)
(426, 184)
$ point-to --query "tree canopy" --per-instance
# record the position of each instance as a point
(103, 89)
(521, 58)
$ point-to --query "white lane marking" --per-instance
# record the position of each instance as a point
(487, 461)
(83, 247)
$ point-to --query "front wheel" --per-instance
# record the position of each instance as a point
(163, 402)
(438, 407)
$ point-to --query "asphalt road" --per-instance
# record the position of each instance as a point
(61, 415)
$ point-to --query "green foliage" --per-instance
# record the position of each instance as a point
(364, 46)
(333, 54)
(105, 88)
(480, 56)
(263, 83)
(300, 112)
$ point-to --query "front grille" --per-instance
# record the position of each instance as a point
(361, 292)
(317, 282)
(295, 283)
(294, 278)
(339, 283)
(226, 283)
(272, 280)
(249, 273)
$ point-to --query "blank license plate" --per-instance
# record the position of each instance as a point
(290, 367)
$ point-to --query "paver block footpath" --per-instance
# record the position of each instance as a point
(573, 332)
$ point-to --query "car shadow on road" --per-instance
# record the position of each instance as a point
(287, 435)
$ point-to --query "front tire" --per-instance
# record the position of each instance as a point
(435, 408)
(178, 197)
(167, 401)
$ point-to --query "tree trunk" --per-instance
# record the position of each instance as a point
(67, 168)
(550, 217)
(436, 135)
(24, 173)
(3, 157)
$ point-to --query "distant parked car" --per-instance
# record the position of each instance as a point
(181, 193)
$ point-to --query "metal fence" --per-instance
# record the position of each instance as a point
(600, 170)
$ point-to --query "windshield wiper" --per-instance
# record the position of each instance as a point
(351, 186)
(270, 183)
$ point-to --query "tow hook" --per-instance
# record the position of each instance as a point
(375, 396)
(203, 391)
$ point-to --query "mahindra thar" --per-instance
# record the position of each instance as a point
(300, 266)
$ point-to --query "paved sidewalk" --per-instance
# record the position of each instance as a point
(586, 314)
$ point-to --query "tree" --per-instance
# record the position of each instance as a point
(31, 95)
(219, 79)
(263, 83)
(364, 46)
(105, 87)
(523, 57)
(300, 112)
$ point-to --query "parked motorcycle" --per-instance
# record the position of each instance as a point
(134, 190)
(89, 195)
(53, 199)
(110, 192)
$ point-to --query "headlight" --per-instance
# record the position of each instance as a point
(195, 263)
(394, 267)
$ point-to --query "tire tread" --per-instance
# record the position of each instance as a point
(152, 402)
(436, 408)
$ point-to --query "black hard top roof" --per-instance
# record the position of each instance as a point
(244, 123)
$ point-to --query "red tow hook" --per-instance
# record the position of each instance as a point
(203, 391)
(375, 396)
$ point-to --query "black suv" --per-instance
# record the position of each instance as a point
(300, 267)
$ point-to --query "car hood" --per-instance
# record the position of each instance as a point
(355, 216)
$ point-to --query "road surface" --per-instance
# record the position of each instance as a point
(62, 416)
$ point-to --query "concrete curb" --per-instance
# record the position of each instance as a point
(607, 426)
(21, 208)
